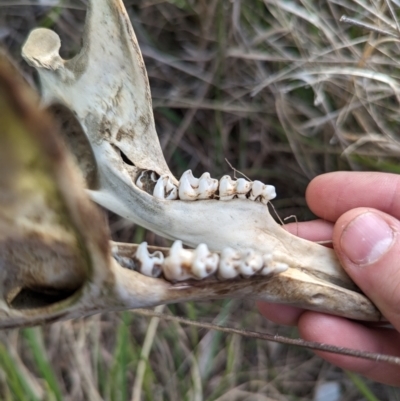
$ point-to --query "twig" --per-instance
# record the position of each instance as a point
(372, 356)
(237, 171)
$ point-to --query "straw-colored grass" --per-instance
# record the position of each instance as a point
(284, 91)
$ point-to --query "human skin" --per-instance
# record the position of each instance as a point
(360, 213)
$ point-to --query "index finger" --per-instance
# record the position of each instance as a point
(330, 195)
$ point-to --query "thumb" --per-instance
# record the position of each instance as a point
(368, 246)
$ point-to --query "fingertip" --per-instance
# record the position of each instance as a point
(332, 194)
(315, 230)
(332, 330)
(280, 314)
(345, 333)
(318, 190)
(367, 242)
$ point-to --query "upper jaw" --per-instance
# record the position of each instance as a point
(106, 87)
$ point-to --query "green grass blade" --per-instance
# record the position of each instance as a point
(361, 386)
(18, 386)
(34, 338)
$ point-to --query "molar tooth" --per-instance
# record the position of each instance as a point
(251, 262)
(159, 189)
(268, 194)
(274, 268)
(139, 182)
(165, 189)
(177, 263)
(186, 190)
(280, 267)
(229, 264)
(227, 188)
(149, 263)
(243, 187)
(271, 267)
(194, 182)
(172, 194)
(170, 184)
(154, 176)
(264, 192)
(207, 186)
(204, 263)
(256, 190)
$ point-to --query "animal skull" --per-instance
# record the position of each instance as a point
(56, 260)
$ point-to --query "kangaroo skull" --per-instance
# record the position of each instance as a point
(71, 268)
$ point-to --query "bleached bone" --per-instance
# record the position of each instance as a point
(106, 88)
(56, 261)
(112, 116)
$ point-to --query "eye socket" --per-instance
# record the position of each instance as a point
(77, 142)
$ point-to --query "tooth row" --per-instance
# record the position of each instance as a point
(243, 189)
(205, 187)
(184, 264)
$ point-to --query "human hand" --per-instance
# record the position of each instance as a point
(360, 212)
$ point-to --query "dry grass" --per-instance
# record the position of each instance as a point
(284, 91)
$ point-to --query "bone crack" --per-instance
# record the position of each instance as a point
(198, 264)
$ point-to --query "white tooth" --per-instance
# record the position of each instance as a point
(207, 186)
(281, 267)
(177, 262)
(262, 191)
(204, 263)
(243, 187)
(256, 190)
(194, 182)
(227, 188)
(172, 194)
(139, 182)
(272, 267)
(154, 176)
(268, 194)
(159, 189)
(186, 191)
(149, 263)
(250, 263)
(267, 259)
(229, 264)
(171, 190)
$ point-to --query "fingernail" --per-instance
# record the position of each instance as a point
(366, 239)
